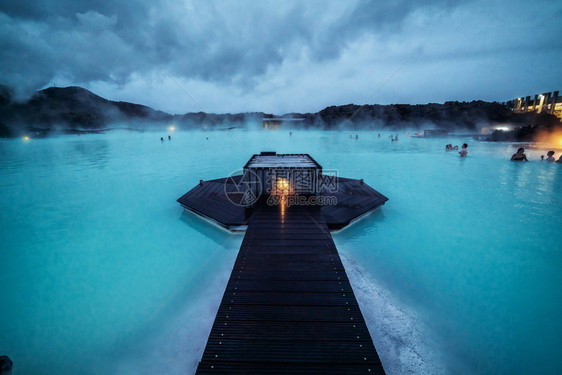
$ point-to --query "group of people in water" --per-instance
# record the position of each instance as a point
(520, 156)
(463, 152)
(550, 157)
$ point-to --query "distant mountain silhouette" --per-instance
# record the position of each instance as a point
(75, 109)
(450, 115)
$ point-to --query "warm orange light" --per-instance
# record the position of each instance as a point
(25, 138)
(282, 187)
(552, 139)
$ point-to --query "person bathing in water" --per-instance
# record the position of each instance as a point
(550, 156)
(519, 155)
(463, 152)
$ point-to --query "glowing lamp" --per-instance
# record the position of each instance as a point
(282, 187)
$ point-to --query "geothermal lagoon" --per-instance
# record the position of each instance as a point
(104, 272)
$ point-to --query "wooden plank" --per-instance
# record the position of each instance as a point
(293, 331)
(290, 313)
(286, 368)
(265, 257)
(276, 230)
(290, 286)
(288, 242)
(291, 250)
(289, 298)
(292, 266)
(279, 351)
(282, 275)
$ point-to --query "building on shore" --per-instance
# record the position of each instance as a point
(507, 127)
(275, 122)
(434, 133)
(548, 102)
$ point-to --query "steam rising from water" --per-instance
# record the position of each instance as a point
(397, 334)
(550, 139)
(174, 342)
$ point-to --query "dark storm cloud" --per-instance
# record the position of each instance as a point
(77, 40)
(227, 48)
(86, 40)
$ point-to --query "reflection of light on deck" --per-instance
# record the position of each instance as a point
(283, 189)
(283, 204)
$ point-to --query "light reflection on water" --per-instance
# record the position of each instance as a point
(101, 265)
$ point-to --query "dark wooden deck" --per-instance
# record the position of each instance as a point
(210, 201)
(288, 307)
(354, 199)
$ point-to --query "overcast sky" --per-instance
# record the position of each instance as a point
(283, 56)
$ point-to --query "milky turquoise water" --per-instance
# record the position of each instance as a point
(102, 271)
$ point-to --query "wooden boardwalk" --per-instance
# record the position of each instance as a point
(288, 307)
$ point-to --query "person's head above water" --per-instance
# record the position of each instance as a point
(464, 145)
(520, 150)
(550, 153)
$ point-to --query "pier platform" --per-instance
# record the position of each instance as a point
(288, 307)
(210, 199)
